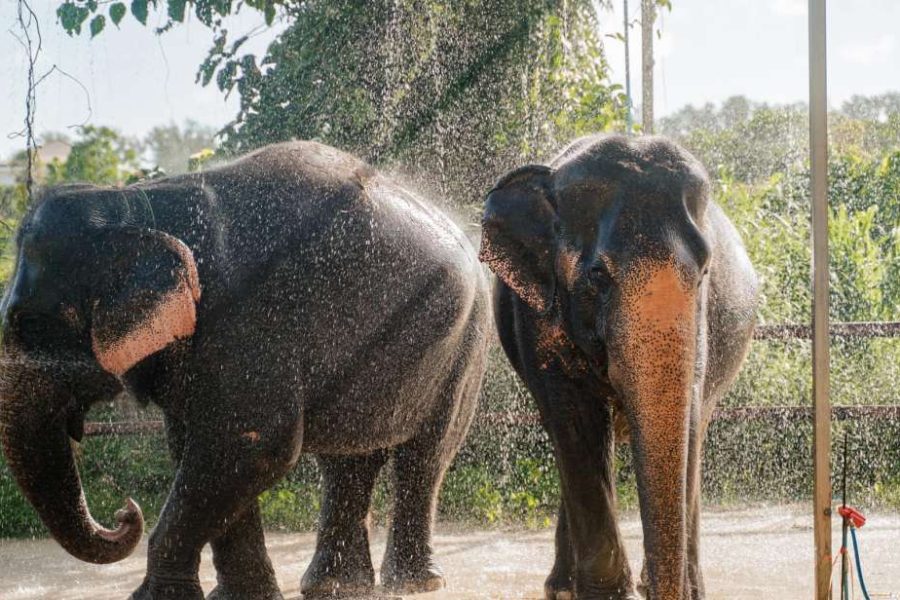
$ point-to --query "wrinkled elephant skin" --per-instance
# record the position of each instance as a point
(294, 300)
(626, 302)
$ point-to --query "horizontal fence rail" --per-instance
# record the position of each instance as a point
(784, 331)
(524, 419)
(793, 331)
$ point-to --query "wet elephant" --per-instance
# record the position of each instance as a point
(295, 300)
(626, 302)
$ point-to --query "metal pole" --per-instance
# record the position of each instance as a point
(818, 147)
(629, 126)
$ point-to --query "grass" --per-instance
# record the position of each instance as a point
(745, 462)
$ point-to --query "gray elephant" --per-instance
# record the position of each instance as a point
(626, 302)
(293, 301)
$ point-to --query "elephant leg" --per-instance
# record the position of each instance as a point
(582, 434)
(221, 473)
(408, 566)
(342, 563)
(243, 568)
(560, 584)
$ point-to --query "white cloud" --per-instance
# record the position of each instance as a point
(790, 8)
(867, 53)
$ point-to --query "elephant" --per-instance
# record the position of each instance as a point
(295, 300)
(626, 303)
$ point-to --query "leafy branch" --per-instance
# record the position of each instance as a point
(73, 14)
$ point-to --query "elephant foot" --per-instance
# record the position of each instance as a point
(332, 587)
(624, 590)
(154, 588)
(554, 593)
(559, 587)
(335, 578)
(426, 578)
(613, 595)
(226, 592)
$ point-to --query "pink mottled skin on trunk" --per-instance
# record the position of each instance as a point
(654, 369)
(173, 318)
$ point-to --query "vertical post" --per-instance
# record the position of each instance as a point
(648, 18)
(629, 126)
(818, 145)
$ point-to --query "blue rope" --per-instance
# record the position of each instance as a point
(862, 582)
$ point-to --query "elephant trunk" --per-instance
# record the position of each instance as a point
(34, 432)
(652, 362)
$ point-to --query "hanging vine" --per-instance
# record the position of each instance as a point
(31, 41)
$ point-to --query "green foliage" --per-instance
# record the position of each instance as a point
(97, 25)
(13, 202)
(172, 148)
(100, 156)
(457, 93)
(386, 80)
(73, 13)
(117, 12)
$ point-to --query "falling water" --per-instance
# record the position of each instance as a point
(500, 497)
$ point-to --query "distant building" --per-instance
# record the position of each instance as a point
(7, 174)
(55, 150)
(13, 170)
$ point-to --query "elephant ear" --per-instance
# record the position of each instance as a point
(146, 298)
(519, 235)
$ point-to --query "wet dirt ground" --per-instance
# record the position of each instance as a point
(747, 554)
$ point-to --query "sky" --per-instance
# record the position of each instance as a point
(708, 51)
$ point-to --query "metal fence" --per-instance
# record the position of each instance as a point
(783, 332)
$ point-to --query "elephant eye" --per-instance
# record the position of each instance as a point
(600, 275)
(702, 276)
(601, 281)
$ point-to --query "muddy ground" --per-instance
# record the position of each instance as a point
(747, 554)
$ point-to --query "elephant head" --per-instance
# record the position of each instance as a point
(95, 290)
(610, 245)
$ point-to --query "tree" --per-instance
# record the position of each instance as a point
(755, 140)
(459, 90)
(100, 156)
(171, 147)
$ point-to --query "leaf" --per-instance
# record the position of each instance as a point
(71, 17)
(139, 10)
(66, 15)
(97, 25)
(269, 11)
(117, 13)
(225, 77)
(176, 10)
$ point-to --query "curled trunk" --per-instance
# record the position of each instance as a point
(34, 431)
